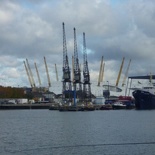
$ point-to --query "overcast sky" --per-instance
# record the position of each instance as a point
(114, 29)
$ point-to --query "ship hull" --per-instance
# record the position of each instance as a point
(144, 100)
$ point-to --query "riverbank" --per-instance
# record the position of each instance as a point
(25, 106)
(52, 106)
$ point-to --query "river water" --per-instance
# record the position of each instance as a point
(46, 132)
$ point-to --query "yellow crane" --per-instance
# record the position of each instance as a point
(31, 75)
(120, 71)
(126, 73)
(100, 72)
(37, 74)
(56, 71)
(28, 74)
(48, 77)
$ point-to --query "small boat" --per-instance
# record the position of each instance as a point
(54, 107)
(128, 101)
(118, 105)
(88, 108)
(106, 107)
(68, 108)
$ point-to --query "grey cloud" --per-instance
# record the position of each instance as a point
(34, 29)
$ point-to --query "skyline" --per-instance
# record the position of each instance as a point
(114, 29)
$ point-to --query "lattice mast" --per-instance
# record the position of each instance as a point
(66, 70)
(86, 76)
(77, 72)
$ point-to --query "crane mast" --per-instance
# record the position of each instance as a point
(72, 68)
(86, 76)
(48, 77)
(37, 74)
(56, 71)
(77, 72)
(126, 73)
(66, 70)
(28, 74)
(120, 71)
(100, 72)
(31, 75)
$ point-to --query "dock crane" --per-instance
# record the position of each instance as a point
(67, 87)
(77, 72)
(48, 77)
(37, 74)
(100, 72)
(56, 71)
(72, 68)
(120, 71)
(31, 75)
(126, 73)
(86, 76)
(28, 74)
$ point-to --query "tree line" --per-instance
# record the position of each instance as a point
(13, 92)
